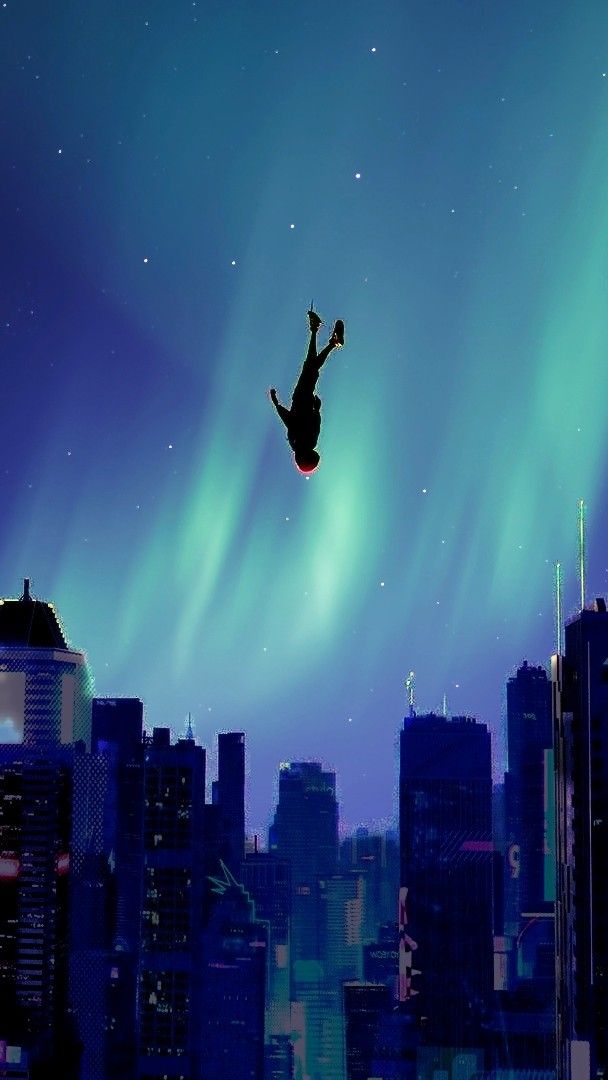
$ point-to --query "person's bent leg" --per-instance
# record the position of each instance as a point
(322, 356)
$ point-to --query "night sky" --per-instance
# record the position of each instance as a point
(179, 180)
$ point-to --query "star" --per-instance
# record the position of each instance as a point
(292, 226)
(357, 176)
(145, 260)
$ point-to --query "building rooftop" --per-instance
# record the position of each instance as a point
(31, 623)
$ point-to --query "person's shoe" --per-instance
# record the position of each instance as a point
(314, 320)
(337, 336)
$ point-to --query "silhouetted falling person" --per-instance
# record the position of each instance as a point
(303, 419)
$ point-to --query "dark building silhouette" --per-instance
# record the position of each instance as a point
(445, 819)
(45, 706)
(365, 1004)
(267, 879)
(233, 985)
(381, 1036)
(170, 963)
(117, 738)
(228, 794)
(580, 712)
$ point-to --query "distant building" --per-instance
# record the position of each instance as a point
(376, 858)
(305, 833)
(580, 713)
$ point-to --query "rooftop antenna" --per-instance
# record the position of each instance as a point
(444, 706)
(189, 734)
(409, 686)
(559, 619)
(26, 589)
(581, 550)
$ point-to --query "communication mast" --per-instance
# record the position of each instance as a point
(581, 550)
(409, 686)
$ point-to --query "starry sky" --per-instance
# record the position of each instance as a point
(179, 180)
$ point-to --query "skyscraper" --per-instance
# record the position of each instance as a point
(524, 1023)
(229, 795)
(45, 706)
(445, 820)
(528, 784)
(169, 990)
(117, 733)
(580, 711)
(305, 832)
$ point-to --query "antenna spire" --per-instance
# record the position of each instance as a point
(581, 550)
(189, 734)
(444, 706)
(559, 618)
(409, 686)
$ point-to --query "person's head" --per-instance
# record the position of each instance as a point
(306, 460)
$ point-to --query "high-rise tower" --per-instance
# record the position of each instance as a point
(172, 908)
(580, 712)
(45, 707)
(445, 820)
(229, 797)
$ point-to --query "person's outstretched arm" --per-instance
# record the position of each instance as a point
(282, 411)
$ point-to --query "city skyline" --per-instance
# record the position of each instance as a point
(258, 827)
(181, 181)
